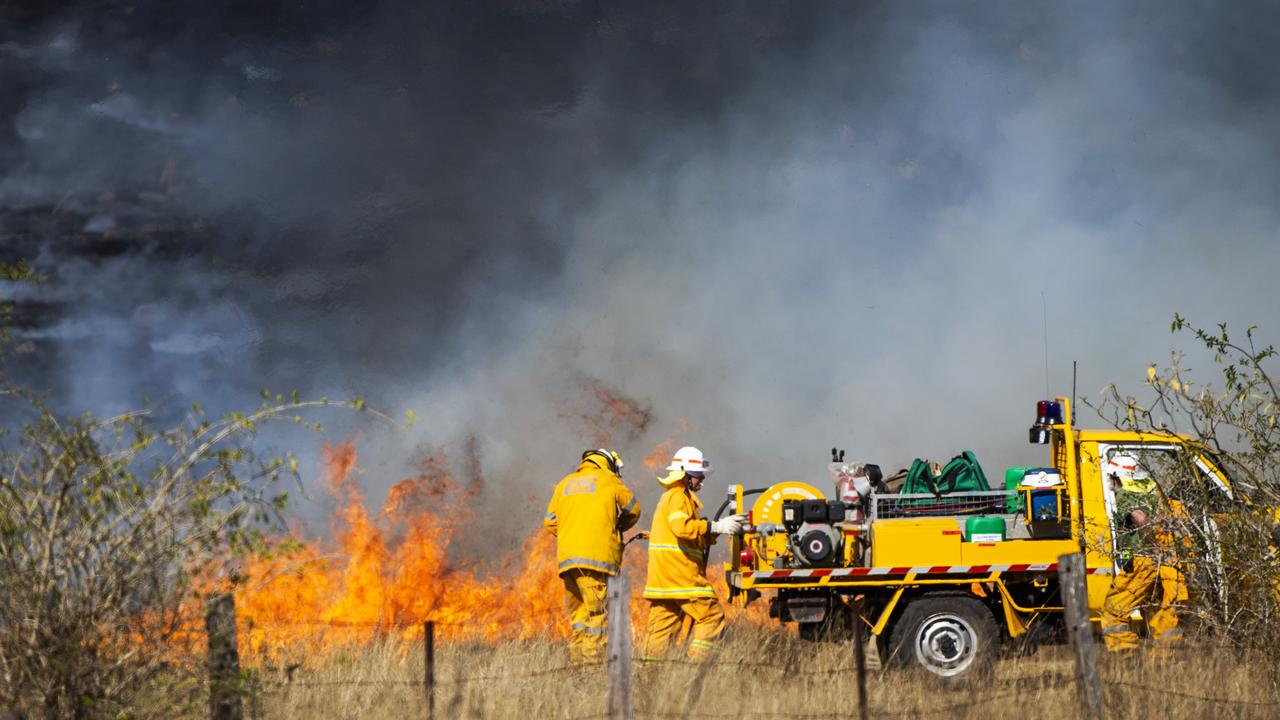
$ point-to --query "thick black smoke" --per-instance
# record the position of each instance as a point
(795, 224)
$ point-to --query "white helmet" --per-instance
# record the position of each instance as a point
(1133, 475)
(690, 459)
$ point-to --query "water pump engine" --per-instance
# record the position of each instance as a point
(812, 535)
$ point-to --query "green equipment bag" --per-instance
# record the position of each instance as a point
(962, 474)
(919, 479)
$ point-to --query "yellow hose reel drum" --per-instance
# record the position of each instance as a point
(768, 509)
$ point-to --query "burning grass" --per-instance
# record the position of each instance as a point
(760, 673)
(390, 571)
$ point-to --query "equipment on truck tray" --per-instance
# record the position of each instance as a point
(1044, 497)
(961, 474)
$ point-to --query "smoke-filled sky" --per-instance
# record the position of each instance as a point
(793, 225)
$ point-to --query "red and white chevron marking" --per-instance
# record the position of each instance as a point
(919, 570)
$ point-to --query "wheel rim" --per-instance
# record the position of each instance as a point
(946, 644)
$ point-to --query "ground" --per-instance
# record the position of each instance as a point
(759, 674)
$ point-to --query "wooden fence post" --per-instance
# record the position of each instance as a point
(224, 658)
(429, 666)
(860, 656)
(1075, 602)
(618, 649)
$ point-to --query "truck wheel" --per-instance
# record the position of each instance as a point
(947, 635)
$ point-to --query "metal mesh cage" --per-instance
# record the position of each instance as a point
(993, 502)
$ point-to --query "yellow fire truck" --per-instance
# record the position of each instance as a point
(945, 580)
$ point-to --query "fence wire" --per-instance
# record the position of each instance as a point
(1192, 696)
(999, 689)
(1011, 687)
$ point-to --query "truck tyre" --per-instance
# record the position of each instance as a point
(946, 635)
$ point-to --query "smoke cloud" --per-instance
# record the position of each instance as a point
(793, 226)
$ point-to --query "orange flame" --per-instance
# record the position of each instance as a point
(390, 574)
(664, 450)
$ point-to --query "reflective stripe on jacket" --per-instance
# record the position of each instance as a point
(588, 512)
(678, 546)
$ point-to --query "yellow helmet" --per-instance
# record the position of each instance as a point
(613, 461)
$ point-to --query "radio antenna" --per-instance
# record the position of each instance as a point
(1073, 393)
(1044, 305)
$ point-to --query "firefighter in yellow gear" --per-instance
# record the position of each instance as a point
(1148, 559)
(589, 510)
(1130, 591)
(677, 587)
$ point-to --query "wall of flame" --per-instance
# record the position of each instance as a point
(384, 574)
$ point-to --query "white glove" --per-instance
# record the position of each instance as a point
(728, 526)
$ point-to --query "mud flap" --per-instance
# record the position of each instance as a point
(810, 609)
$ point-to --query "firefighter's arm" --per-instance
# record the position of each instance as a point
(549, 520)
(628, 508)
(687, 526)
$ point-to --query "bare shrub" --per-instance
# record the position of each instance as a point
(110, 529)
(1224, 542)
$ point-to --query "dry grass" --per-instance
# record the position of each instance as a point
(759, 674)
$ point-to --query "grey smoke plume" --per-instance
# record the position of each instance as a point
(794, 226)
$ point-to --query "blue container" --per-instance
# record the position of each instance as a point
(1044, 506)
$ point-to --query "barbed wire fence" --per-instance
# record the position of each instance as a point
(621, 667)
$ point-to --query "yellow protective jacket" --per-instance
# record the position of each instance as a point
(588, 513)
(678, 547)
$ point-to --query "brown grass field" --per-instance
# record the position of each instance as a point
(759, 674)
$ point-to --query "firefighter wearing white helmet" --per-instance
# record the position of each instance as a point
(687, 460)
(1128, 475)
(1143, 556)
(677, 585)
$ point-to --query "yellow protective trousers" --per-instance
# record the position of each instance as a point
(666, 617)
(584, 594)
(1131, 591)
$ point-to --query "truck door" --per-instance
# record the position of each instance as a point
(1128, 471)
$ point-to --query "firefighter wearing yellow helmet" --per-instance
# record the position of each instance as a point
(1145, 555)
(589, 510)
(677, 586)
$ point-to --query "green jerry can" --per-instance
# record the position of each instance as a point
(1012, 477)
(984, 529)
